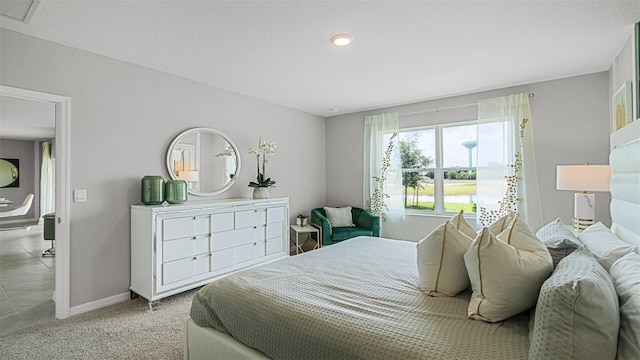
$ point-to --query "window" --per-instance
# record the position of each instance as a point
(439, 168)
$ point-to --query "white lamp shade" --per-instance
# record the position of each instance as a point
(191, 176)
(583, 177)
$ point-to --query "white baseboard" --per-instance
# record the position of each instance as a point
(94, 305)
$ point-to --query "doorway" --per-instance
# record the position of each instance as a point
(62, 106)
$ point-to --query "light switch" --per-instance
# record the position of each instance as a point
(80, 195)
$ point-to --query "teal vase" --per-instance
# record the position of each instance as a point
(152, 191)
(175, 191)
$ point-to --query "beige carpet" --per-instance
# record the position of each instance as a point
(126, 330)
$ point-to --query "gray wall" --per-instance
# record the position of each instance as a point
(123, 118)
(623, 70)
(26, 152)
(571, 125)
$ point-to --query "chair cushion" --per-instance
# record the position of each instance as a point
(343, 233)
(339, 217)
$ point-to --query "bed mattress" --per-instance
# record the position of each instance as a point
(358, 299)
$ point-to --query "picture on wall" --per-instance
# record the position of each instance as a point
(637, 57)
(10, 173)
(622, 106)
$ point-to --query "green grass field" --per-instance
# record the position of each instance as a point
(451, 189)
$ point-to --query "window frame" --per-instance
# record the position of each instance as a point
(438, 170)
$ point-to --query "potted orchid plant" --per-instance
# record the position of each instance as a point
(262, 183)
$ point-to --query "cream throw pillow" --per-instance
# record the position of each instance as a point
(441, 268)
(506, 272)
(463, 225)
(501, 224)
(339, 217)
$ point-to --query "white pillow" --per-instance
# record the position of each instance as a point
(604, 244)
(506, 272)
(339, 217)
(576, 316)
(626, 276)
(463, 225)
(499, 225)
(441, 268)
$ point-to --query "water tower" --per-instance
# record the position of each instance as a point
(470, 144)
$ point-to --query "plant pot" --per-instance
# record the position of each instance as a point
(261, 193)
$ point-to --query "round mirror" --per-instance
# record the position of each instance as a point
(206, 159)
(8, 173)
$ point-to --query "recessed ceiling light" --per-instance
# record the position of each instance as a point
(341, 39)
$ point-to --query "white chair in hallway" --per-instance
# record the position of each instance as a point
(20, 210)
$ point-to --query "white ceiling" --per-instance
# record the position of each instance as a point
(22, 119)
(404, 51)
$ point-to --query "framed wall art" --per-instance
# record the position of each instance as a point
(622, 106)
(9, 173)
(636, 55)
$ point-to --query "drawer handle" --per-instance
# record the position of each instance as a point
(194, 218)
(254, 244)
(195, 258)
(255, 227)
(193, 238)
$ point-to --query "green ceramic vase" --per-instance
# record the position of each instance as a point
(175, 191)
(152, 191)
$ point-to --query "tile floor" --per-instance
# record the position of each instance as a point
(26, 279)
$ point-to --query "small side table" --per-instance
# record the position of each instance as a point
(296, 230)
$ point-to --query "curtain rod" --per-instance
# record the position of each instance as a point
(447, 108)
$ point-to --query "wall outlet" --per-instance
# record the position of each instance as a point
(80, 195)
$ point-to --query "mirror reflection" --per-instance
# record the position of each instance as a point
(206, 159)
(8, 172)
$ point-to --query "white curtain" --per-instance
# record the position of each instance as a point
(381, 145)
(506, 175)
(47, 181)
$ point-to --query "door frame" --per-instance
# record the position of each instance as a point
(63, 190)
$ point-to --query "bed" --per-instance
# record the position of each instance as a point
(359, 299)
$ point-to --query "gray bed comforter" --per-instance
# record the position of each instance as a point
(358, 299)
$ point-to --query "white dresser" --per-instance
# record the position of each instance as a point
(180, 247)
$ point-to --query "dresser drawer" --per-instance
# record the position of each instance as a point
(250, 218)
(222, 222)
(185, 247)
(184, 268)
(275, 214)
(249, 235)
(184, 227)
(274, 230)
(274, 245)
(222, 240)
(223, 259)
(249, 251)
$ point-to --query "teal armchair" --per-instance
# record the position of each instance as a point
(367, 224)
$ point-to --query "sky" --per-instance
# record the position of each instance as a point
(455, 154)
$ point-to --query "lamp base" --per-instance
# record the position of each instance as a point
(584, 210)
(581, 224)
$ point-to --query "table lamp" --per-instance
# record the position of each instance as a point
(583, 178)
(189, 176)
